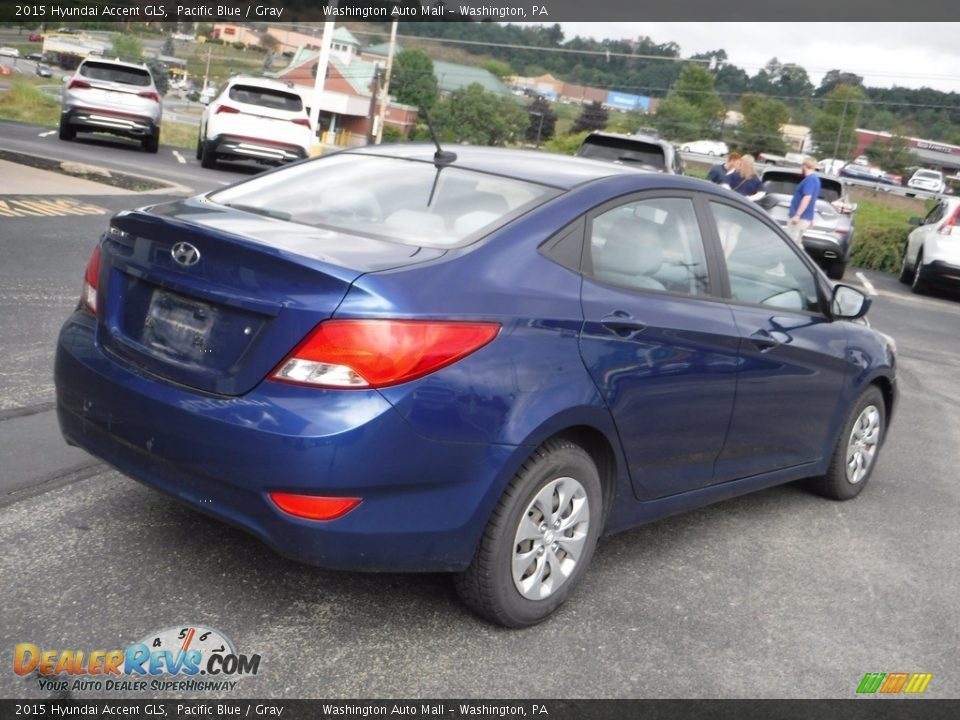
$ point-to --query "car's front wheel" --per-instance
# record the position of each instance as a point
(855, 454)
(151, 143)
(539, 539)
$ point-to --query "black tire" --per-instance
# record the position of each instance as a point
(151, 143)
(66, 131)
(906, 272)
(836, 268)
(838, 483)
(199, 146)
(487, 586)
(208, 158)
(919, 284)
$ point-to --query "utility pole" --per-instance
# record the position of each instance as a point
(321, 78)
(843, 119)
(371, 113)
(385, 96)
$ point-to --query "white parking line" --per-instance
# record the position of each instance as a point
(871, 290)
(222, 182)
(45, 134)
(179, 157)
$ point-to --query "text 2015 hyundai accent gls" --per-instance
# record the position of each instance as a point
(391, 359)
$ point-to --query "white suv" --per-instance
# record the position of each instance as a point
(254, 118)
(924, 179)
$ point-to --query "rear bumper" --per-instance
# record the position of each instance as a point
(112, 121)
(938, 272)
(424, 506)
(265, 151)
(825, 247)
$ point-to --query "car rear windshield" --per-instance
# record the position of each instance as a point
(266, 97)
(784, 184)
(400, 200)
(928, 174)
(623, 150)
(115, 73)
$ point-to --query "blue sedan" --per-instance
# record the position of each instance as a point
(476, 362)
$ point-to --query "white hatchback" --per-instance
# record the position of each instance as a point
(254, 119)
(924, 179)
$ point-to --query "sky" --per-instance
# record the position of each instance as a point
(885, 54)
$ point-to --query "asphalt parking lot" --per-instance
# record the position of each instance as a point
(779, 594)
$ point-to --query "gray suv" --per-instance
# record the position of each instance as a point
(645, 152)
(114, 97)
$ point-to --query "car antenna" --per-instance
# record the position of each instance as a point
(441, 157)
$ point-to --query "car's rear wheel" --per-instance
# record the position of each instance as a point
(906, 272)
(208, 158)
(855, 454)
(66, 131)
(919, 284)
(199, 146)
(539, 539)
(151, 143)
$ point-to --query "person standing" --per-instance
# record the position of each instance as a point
(804, 202)
(718, 173)
(744, 179)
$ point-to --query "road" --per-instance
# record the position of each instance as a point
(778, 594)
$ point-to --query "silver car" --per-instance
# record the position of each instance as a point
(931, 256)
(112, 97)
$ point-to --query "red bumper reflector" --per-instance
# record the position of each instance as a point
(314, 507)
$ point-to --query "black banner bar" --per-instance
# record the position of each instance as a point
(861, 709)
(65, 12)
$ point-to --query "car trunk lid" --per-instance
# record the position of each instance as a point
(213, 298)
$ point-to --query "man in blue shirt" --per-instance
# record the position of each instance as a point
(804, 202)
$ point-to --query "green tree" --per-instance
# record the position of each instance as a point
(760, 129)
(269, 43)
(543, 120)
(833, 128)
(161, 76)
(499, 68)
(475, 116)
(677, 119)
(695, 86)
(592, 117)
(894, 155)
(127, 48)
(412, 81)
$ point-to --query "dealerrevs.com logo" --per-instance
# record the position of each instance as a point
(187, 659)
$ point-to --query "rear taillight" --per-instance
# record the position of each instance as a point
(314, 507)
(74, 84)
(91, 280)
(149, 94)
(378, 353)
(225, 109)
(948, 225)
(301, 121)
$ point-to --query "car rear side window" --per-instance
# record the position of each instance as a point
(116, 73)
(266, 97)
(650, 244)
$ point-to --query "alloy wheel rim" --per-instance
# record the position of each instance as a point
(863, 444)
(550, 538)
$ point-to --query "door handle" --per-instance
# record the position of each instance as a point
(623, 324)
(763, 340)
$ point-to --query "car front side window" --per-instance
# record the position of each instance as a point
(762, 267)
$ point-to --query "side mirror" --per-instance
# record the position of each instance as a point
(848, 303)
(915, 221)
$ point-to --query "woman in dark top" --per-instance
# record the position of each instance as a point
(744, 179)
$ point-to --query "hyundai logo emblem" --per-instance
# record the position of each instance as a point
(183, 253)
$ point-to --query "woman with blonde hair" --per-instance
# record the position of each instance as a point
(744, 179)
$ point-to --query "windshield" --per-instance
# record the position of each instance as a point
(404, 201)
(115, 73)
(266, 97)
(624, 150)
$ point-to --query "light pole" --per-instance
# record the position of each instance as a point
(539, 125)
